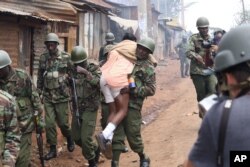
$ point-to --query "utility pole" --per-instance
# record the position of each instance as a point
(143, 17)
(243, 11)
(182, 14)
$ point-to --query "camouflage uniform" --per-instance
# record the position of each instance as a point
(184, 61)
(9, 131)
(52, 82)
(144, 77)
(88, 95)
(19, 84)
(204, 82)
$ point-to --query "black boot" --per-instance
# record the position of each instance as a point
(144, 160)
(114, 164)
(51, 154)
(92, 163)
(70, 144)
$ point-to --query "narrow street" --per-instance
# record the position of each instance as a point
(169, 130)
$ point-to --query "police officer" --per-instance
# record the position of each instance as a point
(230, 116)
(87, 78)
(200, 52)
(9, 132)
(19, 84)
(52, 83)
(144, 76)
(109, 38)
(184, 61)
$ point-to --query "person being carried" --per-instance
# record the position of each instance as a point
(115, 76)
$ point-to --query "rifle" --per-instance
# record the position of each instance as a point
(75, 101)
(39, 138)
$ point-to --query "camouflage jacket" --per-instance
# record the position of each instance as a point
(88, 91)
(182, 48)
(9, 131)
(194, 48)
(20, 85)
(52, 79)
(144, 76)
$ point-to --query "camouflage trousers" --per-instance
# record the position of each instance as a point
(204, 85)
(131, 128)
(24, 155)
(56, 113)
(83, 134)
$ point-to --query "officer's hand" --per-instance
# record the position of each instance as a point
(82, 70)
(124, 90)
(199, 58)
(214, 48)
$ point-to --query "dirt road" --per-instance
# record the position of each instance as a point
(170, 128)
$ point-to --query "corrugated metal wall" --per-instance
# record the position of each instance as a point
(92, 29)
(9, 40)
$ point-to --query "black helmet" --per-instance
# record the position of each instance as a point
(202, 22)
(234, 48)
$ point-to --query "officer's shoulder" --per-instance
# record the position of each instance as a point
(5, 98)
(21, 73)
(65, 55)
(93, 62)
(194, 35)
(44, 56)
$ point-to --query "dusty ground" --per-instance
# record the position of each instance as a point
(170, 128)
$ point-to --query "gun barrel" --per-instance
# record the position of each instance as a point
(75, 102)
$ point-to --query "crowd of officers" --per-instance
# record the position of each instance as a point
(221, 69)
(60, 77)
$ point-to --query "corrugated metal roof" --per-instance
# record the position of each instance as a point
(124, 2)
(93, 5)
(53, 10)
(99, 3)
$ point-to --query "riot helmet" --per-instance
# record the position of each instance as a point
(110, 37)
(52, 37)
(107, 48)
(234, 48)
(78, 54)
(4, 59)
(202, 22)
(147, 43)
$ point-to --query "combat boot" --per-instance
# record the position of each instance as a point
(70, 144)
(145, 162)
(52, 153)
(114, 164)
(92, 163)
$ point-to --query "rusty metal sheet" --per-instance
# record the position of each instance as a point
(52, 10)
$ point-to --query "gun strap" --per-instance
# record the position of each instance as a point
(222, 132)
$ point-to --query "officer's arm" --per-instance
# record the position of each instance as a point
(149, 83)
(190, 53)
(40, 76)
(96, 74)
(12, 136)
